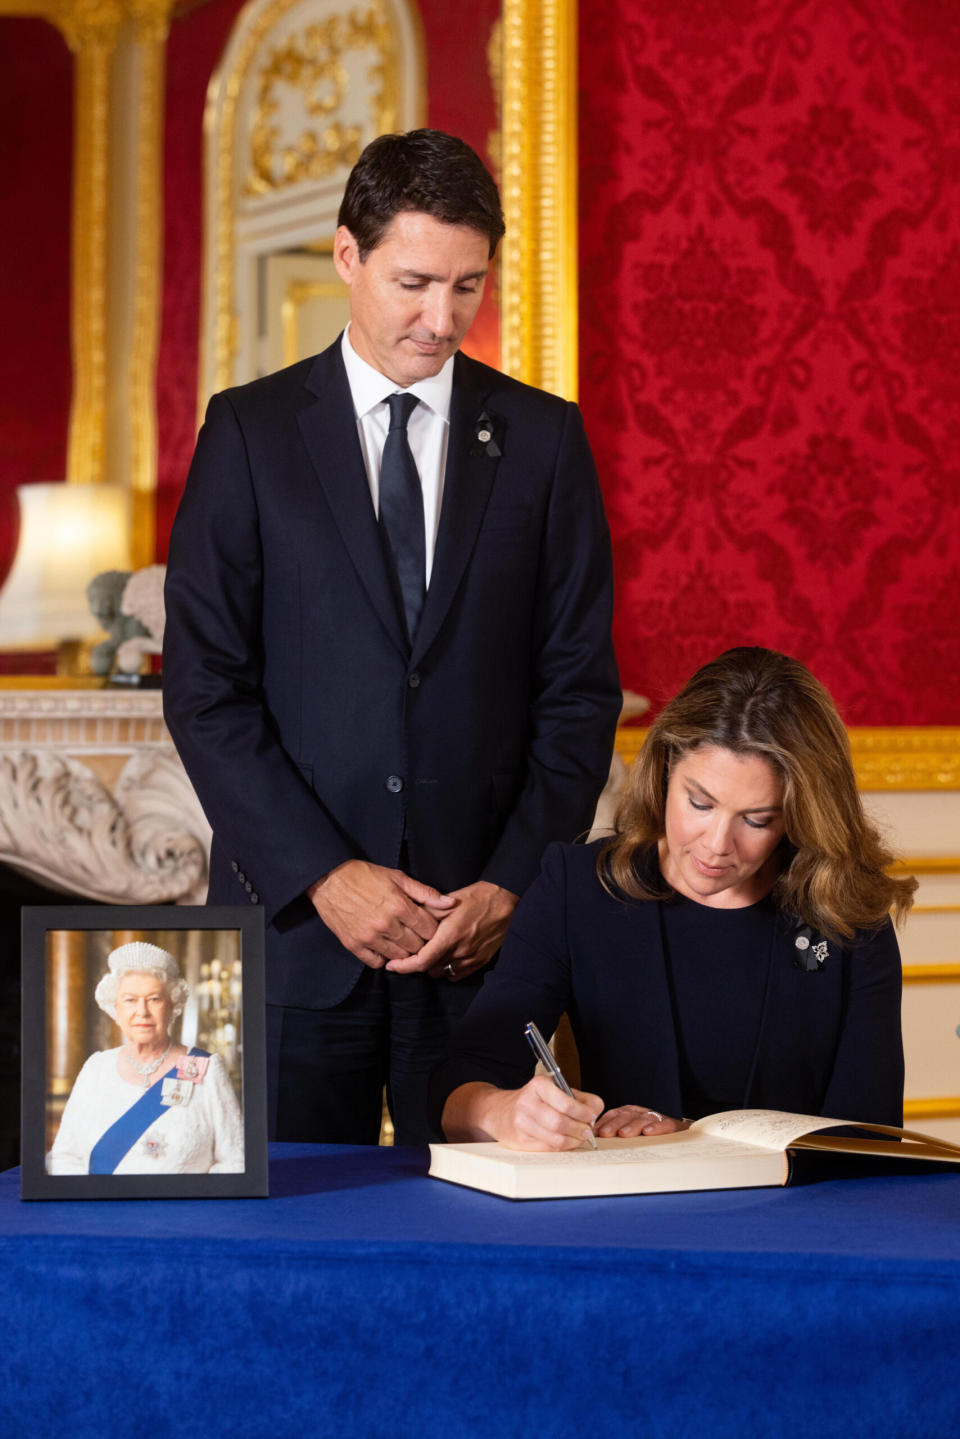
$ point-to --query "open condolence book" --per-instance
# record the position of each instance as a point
(738, 1149)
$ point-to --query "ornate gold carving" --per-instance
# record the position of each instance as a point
(224, 94)
(901, 759)
(89, 23)
(883, 759)
(151, 19)
(312, 65)
(539, 267)
(226, 87)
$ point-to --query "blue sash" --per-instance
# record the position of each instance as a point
(123, 1134)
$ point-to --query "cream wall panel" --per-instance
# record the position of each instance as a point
(925, 825)
(931, 1018)
(918, 821)
(938, 890)
(940, 1128)
(931, 939)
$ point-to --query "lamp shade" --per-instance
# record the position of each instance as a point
(68, 534)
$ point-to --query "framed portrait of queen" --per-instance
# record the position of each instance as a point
(143, 1053)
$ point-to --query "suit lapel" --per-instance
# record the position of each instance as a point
(467, 483)
(329, 429)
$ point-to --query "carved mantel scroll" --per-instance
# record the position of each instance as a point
(95, 802)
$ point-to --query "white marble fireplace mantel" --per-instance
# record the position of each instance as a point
(93, 798)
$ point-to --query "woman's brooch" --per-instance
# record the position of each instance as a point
(193, 1067)
(809, 956)
(484, 438)
(176, 1093)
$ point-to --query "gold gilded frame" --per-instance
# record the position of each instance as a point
(215, 371)
(298, 294)
(538, 315)
(922, 758)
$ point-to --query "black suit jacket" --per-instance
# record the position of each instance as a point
(310, 731)
(829, 1040)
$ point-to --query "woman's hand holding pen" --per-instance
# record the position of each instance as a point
(539, 1116)
(628, 1121)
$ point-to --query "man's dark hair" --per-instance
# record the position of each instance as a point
(422, 170)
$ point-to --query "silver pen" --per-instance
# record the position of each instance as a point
(539, 1046)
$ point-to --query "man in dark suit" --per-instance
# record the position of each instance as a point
(388, 665)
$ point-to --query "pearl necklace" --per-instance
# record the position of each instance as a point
(145, 1070)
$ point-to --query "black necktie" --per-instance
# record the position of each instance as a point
(401, 511)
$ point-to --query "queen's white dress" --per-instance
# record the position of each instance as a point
(201, 1134)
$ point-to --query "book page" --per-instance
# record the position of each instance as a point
(773, 1129)
(912, 1145)
(649, 1149)
(767, 1128)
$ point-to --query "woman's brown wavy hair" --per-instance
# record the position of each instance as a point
(754, 701)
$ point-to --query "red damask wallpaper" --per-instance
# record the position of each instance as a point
(36, 116)
(770, 337)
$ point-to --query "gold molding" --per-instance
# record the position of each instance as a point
(927, 864)
(298, 293)
(947, 1107)
(151, 19)
(922, 758)
(931, 973)
(91, 31)
(538, 317)
(33, 10)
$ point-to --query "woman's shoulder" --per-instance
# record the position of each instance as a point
(880, 941)
(577, 869)
(877, 943)
(97, 1069)
(584, 859)
(217, 1075)
(573, 863)
(102, 1060)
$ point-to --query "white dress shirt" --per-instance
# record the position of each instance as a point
(427, 431)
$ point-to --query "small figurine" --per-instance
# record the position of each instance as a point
(104, 596)
(142, 601)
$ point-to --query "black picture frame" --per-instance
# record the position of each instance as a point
(84, 927)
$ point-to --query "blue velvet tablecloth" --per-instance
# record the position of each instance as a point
(363, 1299)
